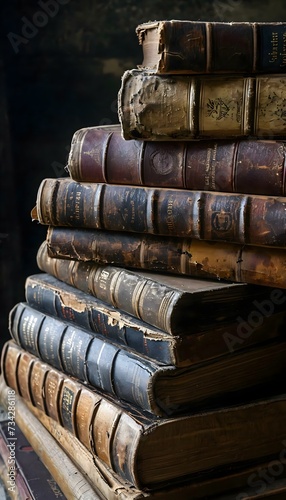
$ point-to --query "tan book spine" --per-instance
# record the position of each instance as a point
(61, 395)
(10, 361)
(71, 481)
(180, 107)
(24, 369)
(39, 372)
(96, 472)
(133, 436)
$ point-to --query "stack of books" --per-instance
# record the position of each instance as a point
(151, 346)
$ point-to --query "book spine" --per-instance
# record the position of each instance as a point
(98, 474)
(134, 294)
(87, 357)
(70, 304)
(100, 154)
(72, 482)
(160, 107)
(213, 47)
(104, 431)
(201, 259)
(95, 154)
(187, 349)
(214, 216)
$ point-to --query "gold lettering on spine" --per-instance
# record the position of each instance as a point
(274, 47)
(77, 205)
(28, 327)
(170, 216)
(67, 400)
(51, 389)
(274, 54)
(214, 153)
(132, 204)
(78, 358)
(283, 53)
(103, 277)
(210, 168)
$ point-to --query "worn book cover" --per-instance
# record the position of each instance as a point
(147, 451)
(181, 107)
(100, 154)
(52, 296)
(184, 46)
(204, 215)
(156, 388)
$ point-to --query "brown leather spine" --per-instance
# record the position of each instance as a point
(37, 383)
(200, 259)
(204, 215)
(52, 388)
(24, 370)
(100, 154)
(212, 47)
(87, 405)
(10, 357)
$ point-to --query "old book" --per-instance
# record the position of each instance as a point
(183, 256)
(52, 296)
(181, 107)
(238, 481)
(178, 46)
(159, 389)
(204, 215)
(27, 477)
(100, 154)
(72, 483)
(174, 304)
(144, 450)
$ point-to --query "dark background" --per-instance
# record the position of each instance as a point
(59, 72)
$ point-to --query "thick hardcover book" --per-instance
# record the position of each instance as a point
(159, 389)
(100, 154)
(26, 472)
(204, 215)
(181, 107)
(174, 304)
(72, 482)
(238, 481)
(145, 450)
(110, 485)
(178, 46)
(51, 296)
(184, 256)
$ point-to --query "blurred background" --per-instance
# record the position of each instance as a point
(61, 62)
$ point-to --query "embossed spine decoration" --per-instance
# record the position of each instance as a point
(181, 107)
(100, 154)
(214, 216)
